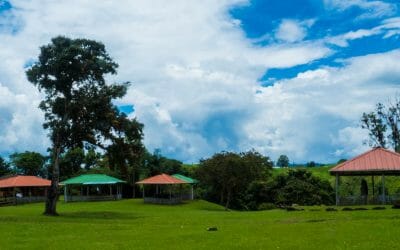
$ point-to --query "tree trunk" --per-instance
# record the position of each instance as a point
(52, 194)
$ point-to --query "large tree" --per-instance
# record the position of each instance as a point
(28, 163)
(77, 102)
(226, 176)
(383, 125)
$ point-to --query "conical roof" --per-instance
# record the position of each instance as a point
(377, 160)
(161, 179)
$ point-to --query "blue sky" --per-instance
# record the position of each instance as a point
(281, 77)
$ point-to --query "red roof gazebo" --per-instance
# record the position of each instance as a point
(22, 189)
(159, 194)
(376, 162)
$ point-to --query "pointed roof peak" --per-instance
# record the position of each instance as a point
(378, 159)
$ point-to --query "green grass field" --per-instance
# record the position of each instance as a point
(130, 224)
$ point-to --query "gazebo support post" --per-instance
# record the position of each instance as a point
(143, 192)
(65, 193)
(15, 196)
(383, 189)
(337, 190)
(110, 190)
(373, 187)
(191, 192)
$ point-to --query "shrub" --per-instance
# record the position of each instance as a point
(347, 209)
(330, 209)
(266, 206)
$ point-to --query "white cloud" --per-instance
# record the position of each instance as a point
(372, 9)
(194, 78)
(292, 30)
(319, 110)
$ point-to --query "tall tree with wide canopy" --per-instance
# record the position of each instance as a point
(78, 102)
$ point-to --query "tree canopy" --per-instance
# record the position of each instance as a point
(383, 125)
(28, 163)
(226, 175)
(283, 161)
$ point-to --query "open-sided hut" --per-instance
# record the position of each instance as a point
(23, 189)
(162, 189)
(92, 187)
(378, 162)
(191, 182)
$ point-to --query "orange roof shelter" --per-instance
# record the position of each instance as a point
(163, 189)
(22, 189)
(161, 179)
(24, 181)
(375, 162)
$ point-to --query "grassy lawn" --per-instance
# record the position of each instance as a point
(130, 224)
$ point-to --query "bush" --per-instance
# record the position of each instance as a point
(330, 209)
(378, 208)
(266, 206)
(301, 187)
(347, 209)
(360, 208)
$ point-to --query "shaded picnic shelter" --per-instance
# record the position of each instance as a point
(19, 189)
(166, 189)
(377, 162)
(92, 187)
(191, 182)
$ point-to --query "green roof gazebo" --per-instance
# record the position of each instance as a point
(92, 187)
(189, 181)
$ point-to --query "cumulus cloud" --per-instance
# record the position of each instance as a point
(195, 78)
(292, 30)
(319, 110)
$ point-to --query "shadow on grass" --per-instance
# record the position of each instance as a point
(100, 215)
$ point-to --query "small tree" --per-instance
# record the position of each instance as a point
(311, 164)
(283, 161)
(77, 102)
(4, 167)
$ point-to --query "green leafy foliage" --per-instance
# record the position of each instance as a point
(300, 187)
(5, 168)
(226, 176)
(29, 163)
(77, 103)
(283, 161)
(383, 125)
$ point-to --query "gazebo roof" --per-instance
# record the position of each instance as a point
(92, 179)
(162, 179)
(185, 178)
(24, 181)
(376, 161)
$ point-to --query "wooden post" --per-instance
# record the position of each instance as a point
(383, 189)
(373, 187)
(15, 196)
(110, 190)
(337, 190)
(65, 193)
(143, 191)
(192, 193)
(170, 193)
(87, 190)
